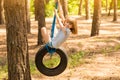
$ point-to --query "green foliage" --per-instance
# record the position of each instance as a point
(103, 3)
(118, 3)
(49, 8)
(32, 9)
(73, 6)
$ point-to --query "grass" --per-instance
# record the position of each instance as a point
(3, 71)
(76, 59)
(51, 61)
(108, 50)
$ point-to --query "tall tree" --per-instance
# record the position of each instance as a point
(96, 18)
(40, 17)
(36, 9)
(106, 5)
(111, 6)
(1, 12)
(17, 43)
(87, 9)
(64, 7)
(115, 10)
(80, 8)
(28, 15)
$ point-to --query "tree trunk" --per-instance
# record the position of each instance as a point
(17, 43)
(40, 16)
(87, 9)
(28, 16)
(106, 5)
(80, 8)
(36, 2)
(111, 6)
(115, 10)
(64, 7)
(96, 18)
(1, 12)
(47, 1)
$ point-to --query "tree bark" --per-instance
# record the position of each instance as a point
(40, 17)
(36, 2)
(64, 7)
(87, 9)
(80, 8)
(28, 16)
(17, 43)
(115, 10)
(106, 5)
(96, 18)
(47, 1)
(1, 12)
(111, 6)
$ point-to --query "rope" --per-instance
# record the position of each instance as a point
(52, 50)
(54, 21)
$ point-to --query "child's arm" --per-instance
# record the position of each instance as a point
(60, 22)
(61, 11)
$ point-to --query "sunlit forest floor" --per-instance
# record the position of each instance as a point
(102, 61)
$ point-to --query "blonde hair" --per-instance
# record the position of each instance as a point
(73, 22)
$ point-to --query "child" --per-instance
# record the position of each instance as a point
(65, 27)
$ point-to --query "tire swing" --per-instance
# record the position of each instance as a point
(59, 58)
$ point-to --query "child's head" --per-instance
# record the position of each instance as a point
(73, 23)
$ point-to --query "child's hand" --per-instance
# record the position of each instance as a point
(55, 11)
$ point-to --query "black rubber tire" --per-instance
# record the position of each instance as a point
(51, 71)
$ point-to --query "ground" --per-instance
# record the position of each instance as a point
(103, 60)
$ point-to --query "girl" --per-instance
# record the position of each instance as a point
(65, 27)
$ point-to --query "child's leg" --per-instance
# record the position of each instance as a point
(45, 34)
